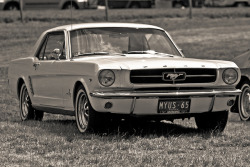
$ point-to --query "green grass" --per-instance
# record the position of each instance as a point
(56, 141)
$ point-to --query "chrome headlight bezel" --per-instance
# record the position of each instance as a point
(106, 78)
(230, 76)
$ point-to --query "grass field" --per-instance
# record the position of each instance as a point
(56, 142)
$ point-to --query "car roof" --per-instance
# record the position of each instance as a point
(101, 25)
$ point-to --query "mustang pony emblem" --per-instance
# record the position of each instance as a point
(174, 76)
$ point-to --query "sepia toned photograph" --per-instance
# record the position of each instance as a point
(124, 83)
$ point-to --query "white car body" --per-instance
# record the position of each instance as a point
(52, 84)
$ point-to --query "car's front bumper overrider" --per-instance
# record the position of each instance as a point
(146, 102)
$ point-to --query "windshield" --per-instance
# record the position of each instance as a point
(104, 41)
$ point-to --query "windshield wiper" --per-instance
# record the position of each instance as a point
(138, 52)
(164, 54)
(89, 54)
(149, 52)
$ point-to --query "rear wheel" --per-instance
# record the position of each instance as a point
(26, 110)
(212, 122)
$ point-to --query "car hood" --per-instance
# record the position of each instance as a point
(147, 61)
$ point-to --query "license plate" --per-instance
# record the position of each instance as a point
(174, 106)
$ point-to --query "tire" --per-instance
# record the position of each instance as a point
(26, 109)
(212, 122)
(87, 119)
(243, 102)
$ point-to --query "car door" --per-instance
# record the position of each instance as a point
(46, 79)
(41, 4)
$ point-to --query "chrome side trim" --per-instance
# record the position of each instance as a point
(160, 76)
(235, 92)
(31, 86)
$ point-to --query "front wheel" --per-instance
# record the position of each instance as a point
(212, 122)
(86, 117)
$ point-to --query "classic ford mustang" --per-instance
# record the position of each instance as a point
(125, 70)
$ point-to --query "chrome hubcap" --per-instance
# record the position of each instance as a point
(83, 111)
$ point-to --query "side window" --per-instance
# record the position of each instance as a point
(53, 48)
(40, 56)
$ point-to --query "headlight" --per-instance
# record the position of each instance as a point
(230, 76)
(106, 77)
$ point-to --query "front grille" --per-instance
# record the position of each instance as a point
(155, 76)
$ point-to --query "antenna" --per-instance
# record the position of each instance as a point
(71, 13)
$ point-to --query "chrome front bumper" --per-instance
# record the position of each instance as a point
(165, 93)
(146, 102)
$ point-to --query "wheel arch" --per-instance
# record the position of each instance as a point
(242, 80)
(76, 86)
(16, 3)
(20, 82)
